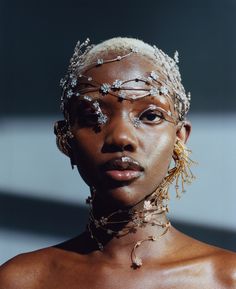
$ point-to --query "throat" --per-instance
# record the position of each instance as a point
(129, 229)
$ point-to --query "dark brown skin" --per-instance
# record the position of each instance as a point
(175, 261)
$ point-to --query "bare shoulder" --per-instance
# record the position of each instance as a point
(215, 266)
(224, 264)
(26, 270)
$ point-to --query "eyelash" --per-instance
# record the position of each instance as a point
(86, 115)
(89, 117)
(153, 112)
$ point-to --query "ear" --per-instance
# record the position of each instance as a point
(63, 137)
(183, 130)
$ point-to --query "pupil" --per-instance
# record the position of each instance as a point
(151, 116)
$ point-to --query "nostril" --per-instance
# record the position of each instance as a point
(128, 147)
(120, 138)
(111, 148)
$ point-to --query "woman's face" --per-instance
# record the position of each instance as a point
(148, 146)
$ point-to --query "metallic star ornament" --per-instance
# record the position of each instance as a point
(170, 85)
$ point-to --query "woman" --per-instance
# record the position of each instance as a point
(125, 124)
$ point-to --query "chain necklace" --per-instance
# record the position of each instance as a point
(134, 219)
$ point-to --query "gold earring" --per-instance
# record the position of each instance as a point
(181, 172)
(63, 138)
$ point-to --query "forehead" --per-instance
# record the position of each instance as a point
(127, 68)
(133, 71)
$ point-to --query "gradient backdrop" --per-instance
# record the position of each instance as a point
(41, 199)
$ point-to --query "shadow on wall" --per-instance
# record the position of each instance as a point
(57, 219)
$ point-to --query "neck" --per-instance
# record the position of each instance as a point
(127, 229)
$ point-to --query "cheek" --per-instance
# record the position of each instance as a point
(87, 143)
(163, 147)
(154, 151)
(87, 147)
(159, 153)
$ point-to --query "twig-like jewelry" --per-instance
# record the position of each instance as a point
(182, 170)
(135, 219)
(63, 137)
(137, 261)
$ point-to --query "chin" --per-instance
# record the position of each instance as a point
(125, 195)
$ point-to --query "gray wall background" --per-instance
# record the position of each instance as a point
(40, 198)
(38, 37)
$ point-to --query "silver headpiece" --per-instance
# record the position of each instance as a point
(170, 86)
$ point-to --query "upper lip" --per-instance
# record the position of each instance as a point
(122, 164)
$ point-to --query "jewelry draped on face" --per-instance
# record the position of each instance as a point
(77, 83)
(102, 118)
(168, 84)
(117, 90)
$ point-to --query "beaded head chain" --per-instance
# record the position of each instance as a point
(165, 80)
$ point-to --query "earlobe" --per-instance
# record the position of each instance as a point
(183, 130)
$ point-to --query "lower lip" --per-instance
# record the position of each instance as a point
(126, 175)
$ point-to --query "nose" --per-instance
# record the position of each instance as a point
(120, 136)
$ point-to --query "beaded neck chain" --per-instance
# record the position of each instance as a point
(136, 217)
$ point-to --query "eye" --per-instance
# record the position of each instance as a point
(86, 115)
(91, 114)
(151, 116)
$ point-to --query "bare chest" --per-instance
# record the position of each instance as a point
(110, 278)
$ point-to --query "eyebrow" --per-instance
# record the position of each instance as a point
(150, 98)
(144, 102)
(162, 103)
(159, 101)
(146, 99)
(163, 106)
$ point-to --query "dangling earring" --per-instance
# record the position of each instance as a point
(181, 172)
(63, 138)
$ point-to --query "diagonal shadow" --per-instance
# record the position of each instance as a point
(41, 216)
(47, 217)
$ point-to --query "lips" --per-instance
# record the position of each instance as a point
(123, 169)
